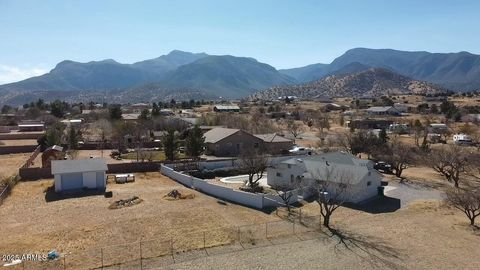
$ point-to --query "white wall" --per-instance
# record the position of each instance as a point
(90, 179)
(58, 182)
(255, 200)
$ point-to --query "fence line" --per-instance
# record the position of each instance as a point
(32, 157)
(5, 192)
(153, 253)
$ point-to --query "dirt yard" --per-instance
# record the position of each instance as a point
(31, 224)
(423, 235)
(9, 164)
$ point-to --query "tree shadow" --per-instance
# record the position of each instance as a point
(370, 249)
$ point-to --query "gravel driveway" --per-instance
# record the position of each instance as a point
(408, 192)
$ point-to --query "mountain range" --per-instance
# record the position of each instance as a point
(185, 75)
(456, 71)
(372, 82)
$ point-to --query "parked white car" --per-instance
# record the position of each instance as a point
(300, 151)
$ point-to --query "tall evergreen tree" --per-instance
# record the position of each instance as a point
(170, 144)
(195, 142)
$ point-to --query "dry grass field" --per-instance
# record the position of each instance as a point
(423, 235)
(9, 164)
(30, 223)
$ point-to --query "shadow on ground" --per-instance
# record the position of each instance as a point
(51, 195)
(373, 250)
(378, 205)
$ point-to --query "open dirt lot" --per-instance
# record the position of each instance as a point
(29, 223)
(9, 164)
(422, 235)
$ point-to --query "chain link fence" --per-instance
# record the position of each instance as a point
(154, 253)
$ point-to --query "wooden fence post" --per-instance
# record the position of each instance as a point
(141, 256)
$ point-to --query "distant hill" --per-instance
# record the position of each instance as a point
(168, 63)
(371, 82)
(184, 74)
(179, 75)
(104, 75)
(456, 71)
(226, 76)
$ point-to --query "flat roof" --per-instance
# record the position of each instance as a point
(79, 165)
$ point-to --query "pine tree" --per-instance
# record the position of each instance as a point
(170, 144)
(195, 142)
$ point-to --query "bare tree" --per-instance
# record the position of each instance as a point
(105, 129)
(452, 162)
(465, 199)
(286, 196)
(294, 128)
(332, 191)
(254, 165)
(399, 155)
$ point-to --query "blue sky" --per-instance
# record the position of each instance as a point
(35, 35)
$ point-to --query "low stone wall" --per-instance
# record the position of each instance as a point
(15, 149)
(20, 136)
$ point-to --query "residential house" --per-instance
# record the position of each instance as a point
(230, 142)
(275, 144)
(438, 128)
(383, 110)
(337, 168)
(79, 174)
(370, 124)
(138, 107)
(31, 126)
(131, 117)
(226, 108)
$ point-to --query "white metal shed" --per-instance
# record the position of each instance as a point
(79, 174)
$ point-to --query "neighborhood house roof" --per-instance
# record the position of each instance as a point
(381, 109)
(130, 116)
(272, 137)
(218, 134)
(338, 163)
(227, 107)
(79, 165)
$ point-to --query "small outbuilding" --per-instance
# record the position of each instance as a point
(52, 153)
(79, 174)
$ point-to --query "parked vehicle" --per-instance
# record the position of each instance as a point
(383, 167)
(300, 151)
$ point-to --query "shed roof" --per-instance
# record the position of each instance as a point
(79, 165)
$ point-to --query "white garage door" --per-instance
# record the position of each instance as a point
(72, 181)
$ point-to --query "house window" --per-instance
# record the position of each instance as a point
(291, 178)
(289, 166)
(369, 183)
(279, 174)
(255, 145)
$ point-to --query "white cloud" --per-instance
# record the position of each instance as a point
(10, 74)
